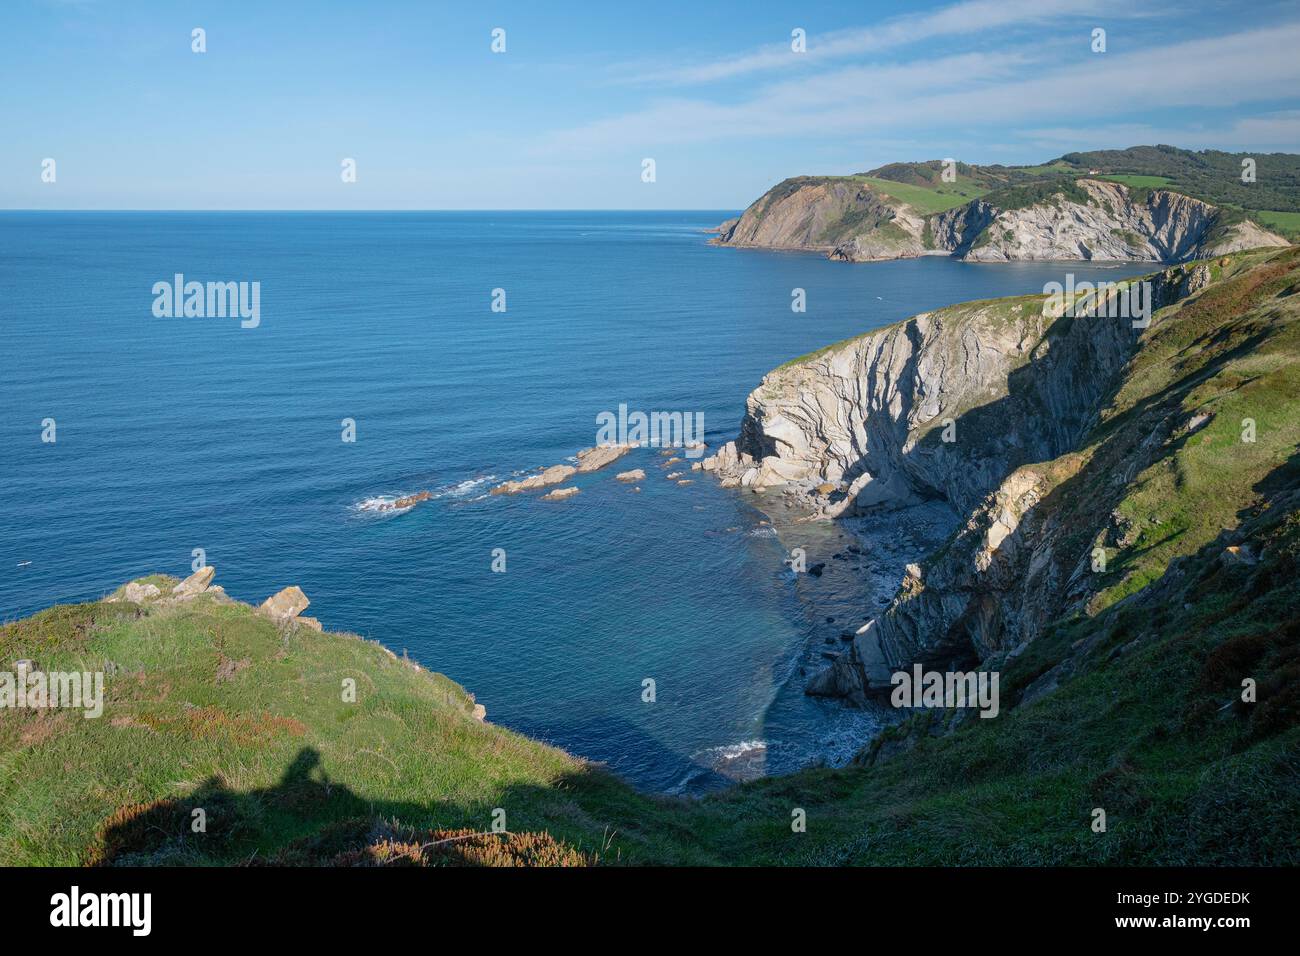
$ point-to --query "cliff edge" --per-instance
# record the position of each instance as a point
(1085, 457)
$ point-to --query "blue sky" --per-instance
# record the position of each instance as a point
(711, 91)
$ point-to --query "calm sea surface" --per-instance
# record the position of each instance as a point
(183, 433)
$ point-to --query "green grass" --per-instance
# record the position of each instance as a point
(1055, 168)
(1206, 174)
(927, 200)
(176, 725)
(1229, 355)
(1141, 736)
(1286, 223)
(1144, 182)
(1051, 191)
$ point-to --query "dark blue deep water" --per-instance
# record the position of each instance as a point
(183, 433)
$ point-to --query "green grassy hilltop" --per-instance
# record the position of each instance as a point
(210, 705)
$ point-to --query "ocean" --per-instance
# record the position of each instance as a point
(182, 433)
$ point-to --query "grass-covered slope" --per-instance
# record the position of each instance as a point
(923, 187)
(210, 705)
(1130, 702)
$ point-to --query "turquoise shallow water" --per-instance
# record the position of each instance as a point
(175, 434)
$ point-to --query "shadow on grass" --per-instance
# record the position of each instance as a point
(309, 819)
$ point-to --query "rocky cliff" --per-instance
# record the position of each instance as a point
(942, 405)
(1097, 221)
(1084, 454)
(840, 216)
(850, 219)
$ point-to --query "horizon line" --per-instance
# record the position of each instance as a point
(502, 209)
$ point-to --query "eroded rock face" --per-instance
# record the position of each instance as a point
(841, 217)
(902, 237)
(954, 405)
(868, 416)
(1157, 226)
(943, 405)
(955, 611)
(286, 604)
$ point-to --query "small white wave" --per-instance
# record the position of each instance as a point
(381, 504)
(462, 489)
(733, 751)
(764, 531)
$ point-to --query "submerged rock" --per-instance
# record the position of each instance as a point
(559, 494)
(407, 502)
(548, 476)
(589, 460)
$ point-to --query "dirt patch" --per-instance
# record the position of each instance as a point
(38, 726)
(207, 723)
(227, 668)
(368, 843)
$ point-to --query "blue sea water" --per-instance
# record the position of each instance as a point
(183, 433)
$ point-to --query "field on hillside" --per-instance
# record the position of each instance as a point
(1287, 223)
(1141, 182)
(926, 199)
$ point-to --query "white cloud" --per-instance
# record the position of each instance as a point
(977, 92)
(1273, 132)
(960, 19)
